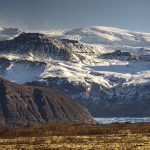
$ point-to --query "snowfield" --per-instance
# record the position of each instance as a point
(107, 40)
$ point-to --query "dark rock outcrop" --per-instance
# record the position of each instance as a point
(25, 105)
(119, 55)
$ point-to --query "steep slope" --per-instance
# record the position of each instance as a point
(36, 46)
(24, 105)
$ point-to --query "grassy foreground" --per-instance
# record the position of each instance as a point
(70, 136)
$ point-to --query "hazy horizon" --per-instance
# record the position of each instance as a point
(56, 14)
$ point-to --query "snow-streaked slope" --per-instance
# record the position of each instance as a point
(21, 71)
(38, 46)
(107, 40)
(116, 85)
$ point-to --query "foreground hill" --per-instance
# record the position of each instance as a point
(24, 105)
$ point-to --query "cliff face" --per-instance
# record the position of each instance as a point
(41, 47)
(25, 105)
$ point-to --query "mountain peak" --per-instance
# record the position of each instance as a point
(43, 47)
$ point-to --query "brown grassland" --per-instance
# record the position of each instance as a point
(73, 136)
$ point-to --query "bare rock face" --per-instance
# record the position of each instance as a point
(40, 46)
(128, 101)
(24, 105)
(118, 55)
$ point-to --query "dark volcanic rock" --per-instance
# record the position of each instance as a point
(118, 54)
(25, 105)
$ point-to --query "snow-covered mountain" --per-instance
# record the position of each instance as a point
(104, 68)
(107, 39)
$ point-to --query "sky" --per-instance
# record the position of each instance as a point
(57, 14)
